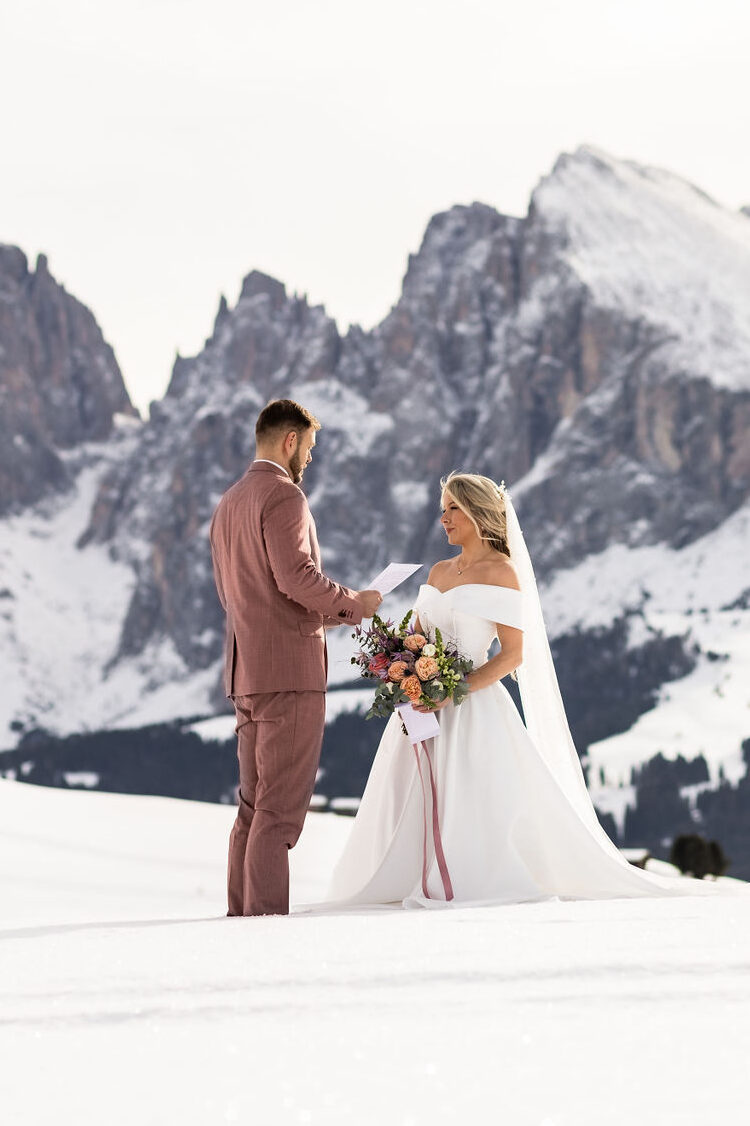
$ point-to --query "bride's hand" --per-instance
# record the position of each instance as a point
(432, 707)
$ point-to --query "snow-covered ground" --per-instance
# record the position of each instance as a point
(128, 997)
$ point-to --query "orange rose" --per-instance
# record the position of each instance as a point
(397, 671)
(414, 642)
(426, 668)
(412, 686)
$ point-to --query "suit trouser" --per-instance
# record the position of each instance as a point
(279, 736)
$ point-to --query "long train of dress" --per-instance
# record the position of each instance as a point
(509, 831)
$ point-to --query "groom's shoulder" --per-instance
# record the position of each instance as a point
(265, 485)
(270, 492)
(280, 489)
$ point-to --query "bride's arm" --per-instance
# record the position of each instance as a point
(511, 639)
(495, 669)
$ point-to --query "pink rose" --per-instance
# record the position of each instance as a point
(398, 671)
(412, 686)
(427, 668)
(378, 665)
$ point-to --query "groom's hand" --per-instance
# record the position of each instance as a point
(370, 601)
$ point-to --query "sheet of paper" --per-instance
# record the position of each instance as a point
(419, 725)
(393, 575)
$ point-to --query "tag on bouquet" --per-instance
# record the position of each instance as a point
(393, 575)
(419, 725)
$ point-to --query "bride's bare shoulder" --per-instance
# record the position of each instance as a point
(439, 569)
(499, 572)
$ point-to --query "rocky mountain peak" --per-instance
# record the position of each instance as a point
(519, 348)
(258, 284)
(221, 313)
(654, 247)
(589, 353)
(14, 265)
(60, 384)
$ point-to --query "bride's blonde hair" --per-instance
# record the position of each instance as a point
(483, 502)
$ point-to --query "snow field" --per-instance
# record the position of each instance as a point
(128, 997)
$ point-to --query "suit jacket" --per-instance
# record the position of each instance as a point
(277, 600)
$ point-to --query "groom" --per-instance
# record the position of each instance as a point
(278, 603)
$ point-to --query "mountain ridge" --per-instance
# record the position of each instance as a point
(517, 348)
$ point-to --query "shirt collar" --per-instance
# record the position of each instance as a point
(269, 462)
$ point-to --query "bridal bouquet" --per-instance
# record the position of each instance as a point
(409, 668)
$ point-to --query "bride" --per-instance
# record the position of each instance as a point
(510, 815)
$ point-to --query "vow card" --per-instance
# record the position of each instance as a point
(419, 725)
(393, 576)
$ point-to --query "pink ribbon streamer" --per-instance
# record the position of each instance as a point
(436, 838)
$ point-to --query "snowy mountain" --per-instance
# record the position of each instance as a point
(594, 354)
(545, 351)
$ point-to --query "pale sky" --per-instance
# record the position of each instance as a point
(158, 150)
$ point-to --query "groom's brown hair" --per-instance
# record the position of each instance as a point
(284, 414)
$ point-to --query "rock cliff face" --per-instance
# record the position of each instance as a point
(59, 381)
(594, 355)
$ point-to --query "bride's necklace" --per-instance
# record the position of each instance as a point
(466, 567)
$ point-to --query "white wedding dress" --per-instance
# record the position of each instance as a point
(509, 832)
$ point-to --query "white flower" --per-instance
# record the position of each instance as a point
(429, 650)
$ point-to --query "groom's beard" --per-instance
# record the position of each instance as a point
(296, 468)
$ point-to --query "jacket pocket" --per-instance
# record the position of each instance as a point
(312, 629)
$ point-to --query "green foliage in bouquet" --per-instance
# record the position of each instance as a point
(397, 655)
(451, 679)
(387, 698)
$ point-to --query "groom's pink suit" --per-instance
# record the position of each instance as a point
(278, 602)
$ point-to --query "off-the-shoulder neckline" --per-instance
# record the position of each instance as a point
(462, 586)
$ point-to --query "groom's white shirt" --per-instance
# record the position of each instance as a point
(272, 463)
